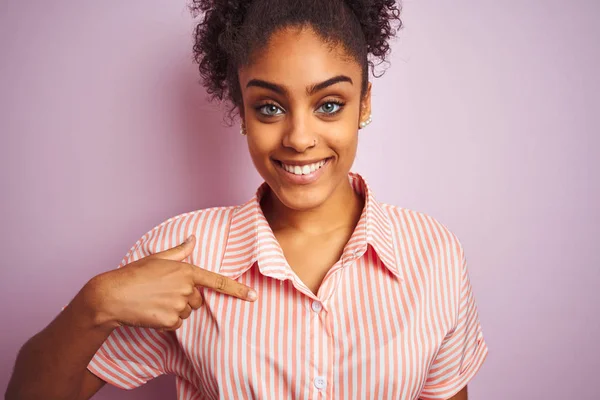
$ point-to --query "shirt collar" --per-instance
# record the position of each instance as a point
(251, 240)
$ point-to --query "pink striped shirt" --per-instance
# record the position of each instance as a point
(394, 318)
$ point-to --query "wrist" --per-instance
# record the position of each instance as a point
(95, 296)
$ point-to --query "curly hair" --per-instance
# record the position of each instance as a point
(232, 31)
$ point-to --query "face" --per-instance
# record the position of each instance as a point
(302, 106)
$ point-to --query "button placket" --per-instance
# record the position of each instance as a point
(319, 381)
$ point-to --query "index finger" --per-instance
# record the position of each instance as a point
(222, 284)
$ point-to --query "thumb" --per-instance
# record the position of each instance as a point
(178, 253)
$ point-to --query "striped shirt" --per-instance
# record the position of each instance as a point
(394, 317)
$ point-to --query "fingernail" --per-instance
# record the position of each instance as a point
(252, 295)
(189, 239)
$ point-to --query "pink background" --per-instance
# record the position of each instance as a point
(487, 120)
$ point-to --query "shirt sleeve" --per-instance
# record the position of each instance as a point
(463, 350)
(131, 356)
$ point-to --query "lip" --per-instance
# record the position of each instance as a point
(301, 163)
(301, 179)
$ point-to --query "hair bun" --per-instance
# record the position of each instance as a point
(380, 21)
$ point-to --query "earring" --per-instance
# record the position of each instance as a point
(363, 124)
(242, 130)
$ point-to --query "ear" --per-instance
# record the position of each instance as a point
(240, 109)
(365, 104)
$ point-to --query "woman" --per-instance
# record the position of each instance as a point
(311, 289)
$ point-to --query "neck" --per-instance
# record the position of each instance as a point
(341, 210)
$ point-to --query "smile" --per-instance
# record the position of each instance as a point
(302, 172)
(302, 169)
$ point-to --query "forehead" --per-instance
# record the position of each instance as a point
(298, 57)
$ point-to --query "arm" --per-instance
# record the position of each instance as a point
(462, 395)
(53, 363)
(156, 292)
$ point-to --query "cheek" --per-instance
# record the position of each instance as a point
(344, 141)
(258, 150)
(261, 147)
(345, 136)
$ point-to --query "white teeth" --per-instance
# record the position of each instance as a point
(304, 169)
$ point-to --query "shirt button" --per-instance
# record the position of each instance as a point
(320, 382)
(316, 306)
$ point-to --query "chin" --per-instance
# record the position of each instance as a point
(301, 198)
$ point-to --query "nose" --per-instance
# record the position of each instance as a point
(298, 134)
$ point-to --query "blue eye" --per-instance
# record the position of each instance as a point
(270, 110)
(331, 107)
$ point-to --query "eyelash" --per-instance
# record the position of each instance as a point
(339, 103)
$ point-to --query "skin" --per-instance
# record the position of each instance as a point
(286, 121)
(312, 222)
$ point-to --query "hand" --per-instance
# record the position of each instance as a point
(158, 291)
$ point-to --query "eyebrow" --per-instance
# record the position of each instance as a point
(312, 89)
(332, 81)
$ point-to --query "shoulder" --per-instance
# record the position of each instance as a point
(210, 226)
(424, 237)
